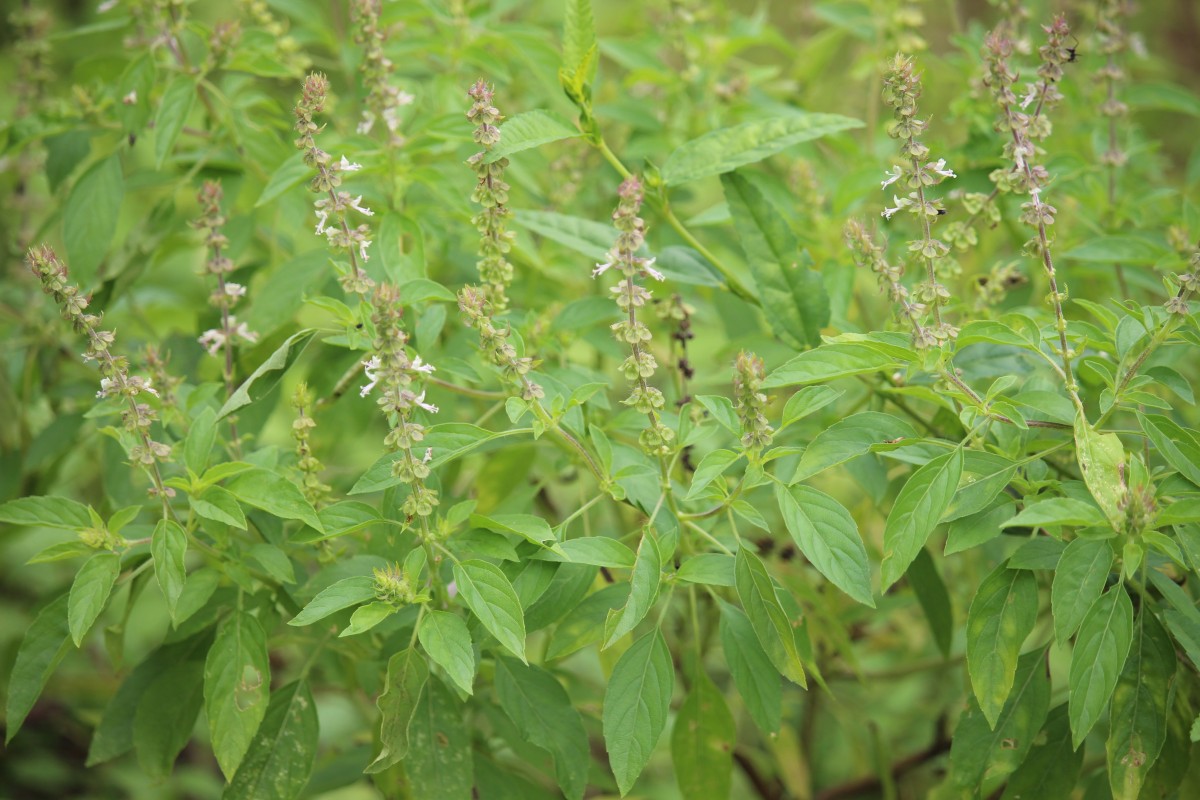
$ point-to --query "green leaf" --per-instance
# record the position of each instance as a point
(273, 561)
(828, 537)
(166, 716)
(1052, 765)
(643, 589)
(46, 512)
(366, 617)
(792, 293)
(1138, 713)
(918, 509)
(282, 755)
(490, 595)
(931, 592)
(711, 467)
(599, 551)
(46, 641)
(1057, 511)
(807, 401)
(90, 218)
(1101, 458)
(722, 411)
(757, 681)
(168, 546)
(584, 624)
(439, 747)
(702, 742)
(1078, 580)
(342, 594)
(217, 504)
(636, 704)
(274, 494)
(528, 130)
(714, 569)
(1116, 250)
(1164, 96)
(528, 527)
(199, 441)
(830, 361)
(448, 441)
(579, 37)
(1178, 445)
(770, 622)
(237, 685)
(254, 387)
(1002, 614)
(1098, 659)
(448, 642)
(984, 477)
(61, 552)
(407, 674)
(849, 438)
(982, 753)
(729, 148)
(292, 172)
(90, 591)
(173, 111)
(539, 706)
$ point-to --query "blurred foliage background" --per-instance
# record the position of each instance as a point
(670, 70)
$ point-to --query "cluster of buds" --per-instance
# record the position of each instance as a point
(1112, 41)
(473, 304)
(491, 193)
(749, 402)
(115, 380)
(872, 256)
(220, 341)
(384, 100)
(287, 50)
(901, 90)
(333, 206)
(393, 585)
(1189, 285)
(1013, 17)
(309, 465)
(399, 379)
(630, 296)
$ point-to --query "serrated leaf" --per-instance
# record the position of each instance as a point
(727, 149)
(528, 130)
(1079, 579)
(828, 537)
(407, 674)
(168, 546)
(1137, 716)
(1002, 614)
(237, 687)
(490, 595)
(90, 591)
(46, 641)
(702, 742)
(448, 642)
(579, 36)
(792, 294)
(770, 622)
(636, 704)
(281, 758)
(918, 509)
(643, 588)
(1098, 659)
(540, 708)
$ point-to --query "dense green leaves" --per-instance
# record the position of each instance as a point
(918, 509)
(636, 704)
(237, 681)
(1098, 659)
(1002, 615)
(1051, 766)
(827, 536)
(274, 494)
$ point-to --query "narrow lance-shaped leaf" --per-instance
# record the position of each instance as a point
(46, 641)
(1138, 713)
(770, 622)
(636, 704)
(757, 680)
(643, 591)
(702, 742)
(1078, 581)
(1098, 659)
(46, 512)
(90, 591)
(168, 546)
(237, 680)
(343, 594)
(406, 677)
(918, 509)
(1002, 615)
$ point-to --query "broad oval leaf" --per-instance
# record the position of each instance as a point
(90, 591)
(636, 704)
(274, 494)
(282, 755)
(439, 747)
(168, 546)
(46, 641)
(1002, 615)
(829, 361)
(1101, 460)
(448, 642)
(702, 742)
(46, 512)
(90, 217)
(237, 687)
(1078, 580)
(918, 509)
(490, 595)
(828, 537)
(643, 588)
(770, 622)
(342, 594)
(406, 677)
(756, 679)
(849, 438)
(1098, 659)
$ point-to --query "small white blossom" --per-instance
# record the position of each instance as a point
(106, 387)
(235, 290)
(428, 455)
(887, 212)
(130, 99)
(106, 6)
(322, 219)
(1030, 96)
(212, 340)
(420, 401)
(356, 204)
(601, 269)
(346, 165)
(419, 366)
(243, 331)
(362, 249)
(403, 98)
(367, 123)
(892, 176)
(648, 265)
(939, 168)
(370, 369)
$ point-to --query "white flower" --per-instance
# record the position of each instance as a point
(887, 212)
(403, 98)
(106, 387)
(892, 176)
(428, 455)
(420, 401)
(418, 366)
(601, 269)
(648, 265)
(130, 99)
(370, 367)
(322, 220)
(1030, 96)
(242, 330)
(235, 290)
(345, 165)
(362, 249)
(356, 204)
(212, 340)
(368, 122)
(940, 169)
(106, 6)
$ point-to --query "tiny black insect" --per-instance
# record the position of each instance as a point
(941, 211)
(1071, 51)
